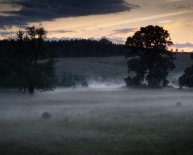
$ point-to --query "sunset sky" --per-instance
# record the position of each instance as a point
(113, 19)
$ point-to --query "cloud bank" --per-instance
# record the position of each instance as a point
(47, 10)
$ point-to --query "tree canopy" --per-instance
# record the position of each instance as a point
(148, 58)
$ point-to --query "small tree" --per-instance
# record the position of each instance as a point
(148, 58)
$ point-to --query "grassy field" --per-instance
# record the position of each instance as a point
(97, 122)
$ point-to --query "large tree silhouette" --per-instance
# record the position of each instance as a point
(148, 58)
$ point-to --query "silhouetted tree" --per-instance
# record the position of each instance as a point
(41, 74)
(148, 58)
(32, 67)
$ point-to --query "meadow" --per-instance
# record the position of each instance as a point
(94, 121)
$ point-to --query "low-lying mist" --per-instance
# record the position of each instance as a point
(68, 119)
(101, 117)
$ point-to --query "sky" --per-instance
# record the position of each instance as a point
(95, 19)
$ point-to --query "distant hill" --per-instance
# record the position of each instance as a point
(113, 69)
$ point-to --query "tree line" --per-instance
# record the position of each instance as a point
(85, 48)
(74, 48)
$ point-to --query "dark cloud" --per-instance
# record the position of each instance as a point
(6, 33)
(62, 31)
(127, 30)
(41, 10)
(184, 4)
(6, 27)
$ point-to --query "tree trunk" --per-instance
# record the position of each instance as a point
(30, 89)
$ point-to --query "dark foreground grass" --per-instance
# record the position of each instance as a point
(144, 133)
(182, 145)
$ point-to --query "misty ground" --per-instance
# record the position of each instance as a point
(103, 119)
(90, 121)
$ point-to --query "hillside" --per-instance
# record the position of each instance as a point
(111, 69)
